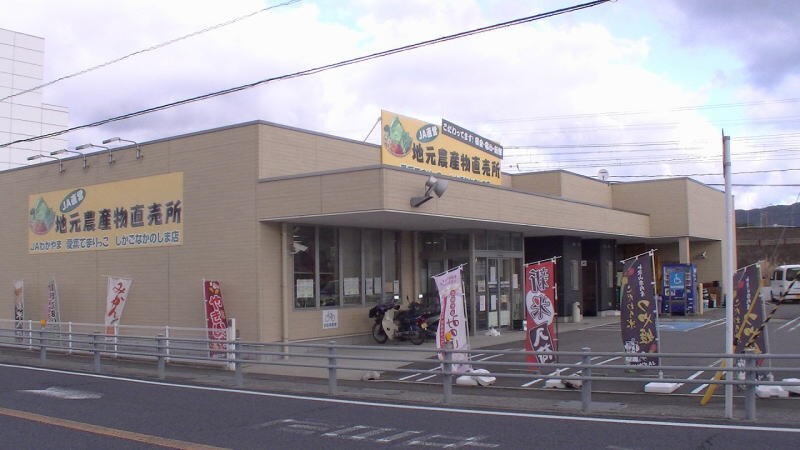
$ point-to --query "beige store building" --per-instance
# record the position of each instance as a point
(295, 224)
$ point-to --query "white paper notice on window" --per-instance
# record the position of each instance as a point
(351, 286)
(305, 288)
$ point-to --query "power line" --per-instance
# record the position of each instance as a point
(148, 49)
(645, 111)
(318, 69)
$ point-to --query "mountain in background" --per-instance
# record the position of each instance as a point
(776, 215)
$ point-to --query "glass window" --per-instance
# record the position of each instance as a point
(373, 280)
(480, 240)
(454, 242)
(304, 255)
(328, 267)
(336, 267)
(350, 240)
(432, 242)
(516, 242)
(391, 252)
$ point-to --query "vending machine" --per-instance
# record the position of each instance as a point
(679, 286)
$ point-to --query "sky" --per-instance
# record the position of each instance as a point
(643, 89)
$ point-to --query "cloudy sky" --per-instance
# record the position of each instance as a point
(640, 88)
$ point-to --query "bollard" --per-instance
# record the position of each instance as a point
(42, 347)
(237, 364)
(750, 389)
(586, 385)
(447, 373)
(96, 350)
(160, 349)
(332, 368)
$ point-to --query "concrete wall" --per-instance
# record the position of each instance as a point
(288, 151)
(565, 185)
(220, 236)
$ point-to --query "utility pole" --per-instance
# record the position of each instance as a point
(727, 271)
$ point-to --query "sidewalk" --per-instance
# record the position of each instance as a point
(397, 354)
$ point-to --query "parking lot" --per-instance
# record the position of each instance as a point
(677, 334)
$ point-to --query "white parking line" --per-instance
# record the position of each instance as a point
(491, 356)
(789, 323)
(418, 374)
(427, 378)
(705, 385)
(713, 323)
(549, 375)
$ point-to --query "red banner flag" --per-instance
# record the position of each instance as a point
(540, 307)
(216, 320)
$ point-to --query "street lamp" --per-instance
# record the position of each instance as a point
(66, 150)
(60, 165)
(118, 139)
(89, 145)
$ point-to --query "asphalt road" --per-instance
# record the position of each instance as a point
(47, 409)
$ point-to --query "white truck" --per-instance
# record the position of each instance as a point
(782, 283)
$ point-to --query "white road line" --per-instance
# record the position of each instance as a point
(450, 411)
(713, 323)
(418, 374)
(789, 323)
(427, 378)
(492, 356)
(704, 385)
(549, 375)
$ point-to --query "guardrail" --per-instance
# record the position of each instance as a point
(750, 370)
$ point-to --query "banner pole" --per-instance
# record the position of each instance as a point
(449, 270)
(640, 254)
(553, 259)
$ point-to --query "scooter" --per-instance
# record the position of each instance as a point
(391, 324)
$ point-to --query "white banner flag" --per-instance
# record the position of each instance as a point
(453, 318)
(19, 306)
(53, 308)
(116, 297)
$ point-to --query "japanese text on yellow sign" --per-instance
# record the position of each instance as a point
(446, 149)
(136, 213)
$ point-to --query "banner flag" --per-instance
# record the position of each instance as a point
(639, 318)
(53, 307)
(453, 318)
(540, 305)
(748, 310)
(116, 298)
(216, 320)
(19, 307)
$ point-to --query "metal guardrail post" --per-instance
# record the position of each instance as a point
(750, 389)
(447, 373)
(237, 364)
(332, 368)
(96, 351)
(586, 385)
(42, 347)
(162, 363)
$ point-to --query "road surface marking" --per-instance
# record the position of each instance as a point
(442, 409)
(105, 431)
(788, 323)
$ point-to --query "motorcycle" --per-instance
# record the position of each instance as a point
(390, 323)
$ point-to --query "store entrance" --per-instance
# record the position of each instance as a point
(495, 286)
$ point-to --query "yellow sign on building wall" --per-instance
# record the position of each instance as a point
(136, 213)
(446, 149)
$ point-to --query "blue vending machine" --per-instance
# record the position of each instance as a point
(679, 284)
